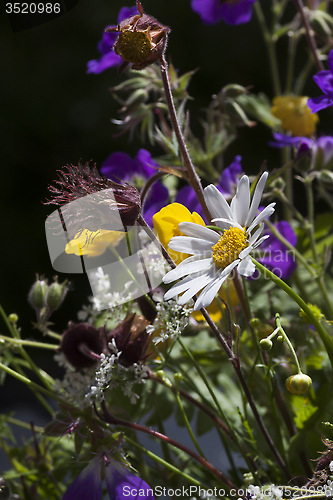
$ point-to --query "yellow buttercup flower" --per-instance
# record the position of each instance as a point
(93, 243)
(166, 223)
(295, 115)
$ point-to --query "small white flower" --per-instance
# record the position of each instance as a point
(331, 466)
(214, 256)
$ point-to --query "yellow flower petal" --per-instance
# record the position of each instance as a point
(295, 115)
(93, 243)
(166, 223)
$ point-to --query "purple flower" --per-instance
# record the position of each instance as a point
(231, 11)
(320, 151)
(324, 80)
(279, 259)
(120, 482)
(105, 46)
(120, 165)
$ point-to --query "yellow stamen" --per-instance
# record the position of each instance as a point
(229, 246)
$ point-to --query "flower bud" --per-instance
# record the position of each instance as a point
(37, 294)
(298, 384)
(131, 339)
(142, 40)
(56, 294)
(82, 344)
(280, 339)
(266, 344)
(13, 318)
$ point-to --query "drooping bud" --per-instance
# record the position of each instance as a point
(298, 384)
(37, 294)
(82, 344)
(131, 339)
(266, 344)
(142, 40)
(56, 294)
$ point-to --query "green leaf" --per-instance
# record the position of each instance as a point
(258, 106)
(204, 423)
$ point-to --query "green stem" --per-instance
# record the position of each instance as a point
(286, 338)
(318, 326)
(234, 436)
(187, 424)
(187, 162)
(20, 423)
(270, 48)
(30, 343)
(160, 461)
(283, 240)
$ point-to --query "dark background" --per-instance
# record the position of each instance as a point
(53, 114)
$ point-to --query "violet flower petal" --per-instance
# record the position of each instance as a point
(117, 166)
(320, 102)
(88, 484)
(156, 199)
(238, 13)
(121, 483)
(324, 80)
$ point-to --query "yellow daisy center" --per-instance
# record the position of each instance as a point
(229, 246)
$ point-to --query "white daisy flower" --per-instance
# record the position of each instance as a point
(214, 256)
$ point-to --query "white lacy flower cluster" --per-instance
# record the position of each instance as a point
(152, 258)
(170, 321)
(75, 384)
(118, 303)
(271, 493)
(111, 373)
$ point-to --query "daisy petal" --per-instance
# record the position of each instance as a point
(244, 253)
(190, 245)
(196, 286)
(208, 294)
(188, 267)
(228, 222)
(267, 212)
(256, 235)
(216, 203)
(197, 231)
(246, 267)
(241, 201)
(258, 243)
(256, 198)
(186, 283)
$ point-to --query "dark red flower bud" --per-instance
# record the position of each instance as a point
(142, 40)
(82, 344)
(131, 339)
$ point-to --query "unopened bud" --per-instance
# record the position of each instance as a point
(266, 344)
(13, 318)
(255, 322)
(298, 384)
(280, 339)
(37, 294)
(56, 294)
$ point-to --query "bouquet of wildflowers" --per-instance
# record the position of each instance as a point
(201, 364)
